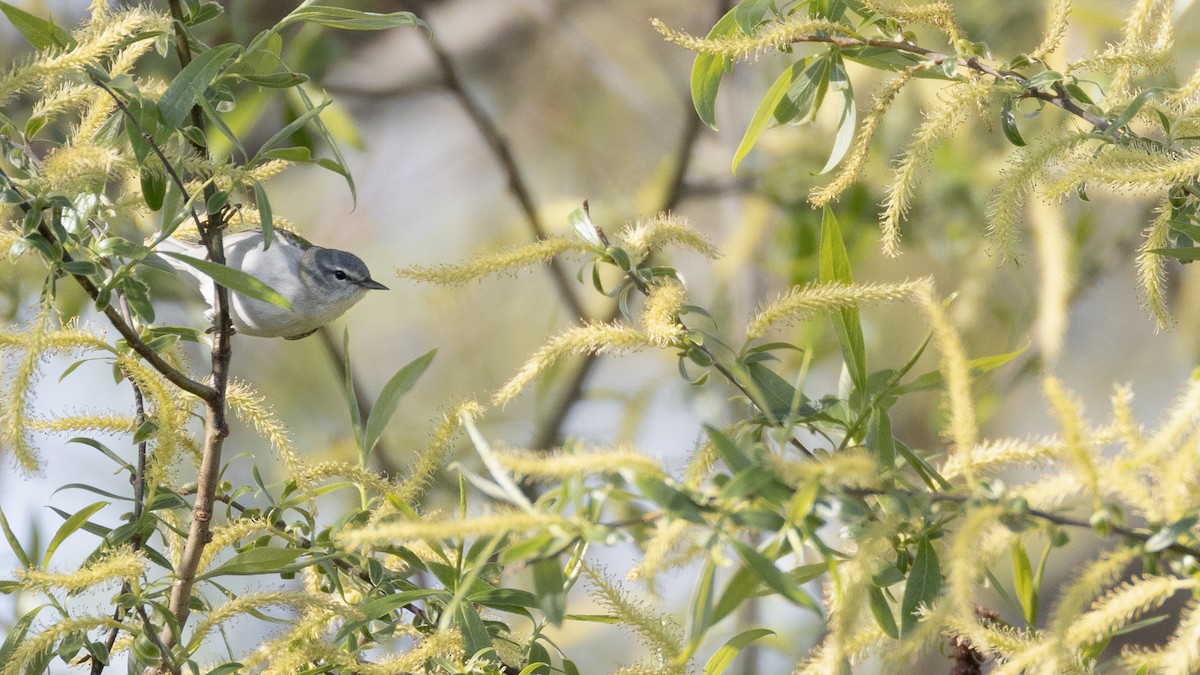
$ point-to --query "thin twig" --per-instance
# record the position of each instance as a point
(550, 429)
(158, 152)
(132, 338)
(1059, 99)
(138, 479)
(501, 149)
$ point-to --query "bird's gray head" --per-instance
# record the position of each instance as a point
(337, 273)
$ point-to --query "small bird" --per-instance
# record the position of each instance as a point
(320, 283)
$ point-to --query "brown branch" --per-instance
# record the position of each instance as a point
(1057, 519)
(503, 153)
(215, 427)
(1059, 98)
(548, 433)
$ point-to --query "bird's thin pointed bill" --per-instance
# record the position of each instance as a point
(371, 284)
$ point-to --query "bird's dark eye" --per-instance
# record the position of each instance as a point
(341, 276)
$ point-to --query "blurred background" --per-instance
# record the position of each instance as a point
(509, 116)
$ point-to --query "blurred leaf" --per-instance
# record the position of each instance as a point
(1186, 254)
(882, 611)
(1023, 583)
(701, 614)
(923, 587)
(41, 33)
(1169, 534)
(549, 587)
(709, 69)
(835, 267)
(352, 19)
(14, 544)
(728, 651)
(775, 579)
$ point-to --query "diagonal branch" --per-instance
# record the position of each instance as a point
(501, 149)
(547, 435)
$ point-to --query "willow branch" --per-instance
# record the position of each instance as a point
(215, 427)
(503, 153)
(1059, 98)
(550, 430)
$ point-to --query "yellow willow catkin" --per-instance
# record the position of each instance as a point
(14, 431)
(433, 457)
(590, 338)
(660, 317)
(250, 603)
(539, 465)
(511, 523)
(963, 426)
(519, 257)
(1054, 254)
(1151, 269)
(772, 37)
(36, 645)
(643, 238)
(116, 565)
(253, 409)
(801, 302)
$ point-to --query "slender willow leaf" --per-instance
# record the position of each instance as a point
(835, 266)
(189, 85)
(708, 70)
(728, 651)
(923, 587)
(389, 398)
(234, 280)
(69, 527)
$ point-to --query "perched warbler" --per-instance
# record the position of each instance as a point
(320, 283)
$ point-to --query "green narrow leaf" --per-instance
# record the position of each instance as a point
(356, 420)
(260, 560)
(806, 94)
(475, 634)
(234, 280)
(40, 32)
(1008, 121)
(17, 632)
(1188, 254)
(352, 19)
(76, 521)
(708, 70)
(835, 266)
(14, 544)
(264, 214)
(389, 398)
(721, 659)
(1023, 583)
(773, 578)
(880, 439)
(738, 589)
(702, 608)
(189, 85)
(882, 612)
(839, 80)
(923, 587)
(766, 109)
(549, 587)
(154, 187)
